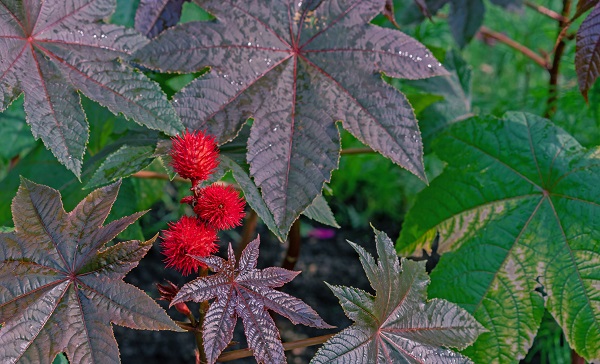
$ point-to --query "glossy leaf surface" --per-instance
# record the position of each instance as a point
(247, 293)
(60, 288)
(55, 48)
(296, 68)
(587, 56)
(517, 221)
(398, 324)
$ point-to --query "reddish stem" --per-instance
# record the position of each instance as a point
(248, 232)
(244, 353)
(487, 32)
(294, 242)
(555, 68)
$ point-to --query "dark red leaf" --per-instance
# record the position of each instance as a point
(154, 16)
(297, 67)
(248, 293)
(52, 49)
(587, 56)
(58, 290)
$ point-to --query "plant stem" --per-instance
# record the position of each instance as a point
(365, 150)
(293, 251)
(156, 175)
(545, 11)
(576, 358)
(555, 69)
(487, 32)
(244, 353)
(198, 333)
(247, 233)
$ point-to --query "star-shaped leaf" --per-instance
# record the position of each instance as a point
(52, 49)
(296, 67)
(248, 293)
(516, 214)
(398, 324)
(59, 290)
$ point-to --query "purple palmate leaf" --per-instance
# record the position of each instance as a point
(58, 290)
(52, 49)
(296, 67)
(248, 293)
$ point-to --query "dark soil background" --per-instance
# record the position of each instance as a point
(332, 260)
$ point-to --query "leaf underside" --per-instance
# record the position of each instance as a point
(587, 55)
(398, 324)
(509, 210)
(52, 50)
(297, 68)
(59, 289)
(247, 293)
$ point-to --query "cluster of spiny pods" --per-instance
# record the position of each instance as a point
(195, 156)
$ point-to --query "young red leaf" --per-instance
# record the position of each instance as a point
(587, 56)
(52, 49)
(58, 290)
(248, 293)
(397, 325)
(297, 67)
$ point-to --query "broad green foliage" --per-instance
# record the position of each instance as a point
(465, 16)
(516, 212)
(54, 49)
(302, 67)
(398, 324)
(61, 287)
(241, 290)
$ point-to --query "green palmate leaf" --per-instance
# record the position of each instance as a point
(297, 68)
(516, 211)
(320, 211)
(252, 194)
(60, 289)
(465, 18)
(398, 324)
(454, 88)
(16, 135)
(587, 57)
(55, 48)
(122, 163)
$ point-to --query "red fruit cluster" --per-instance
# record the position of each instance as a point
(220, 206)
(195, 157)
(186, 237)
